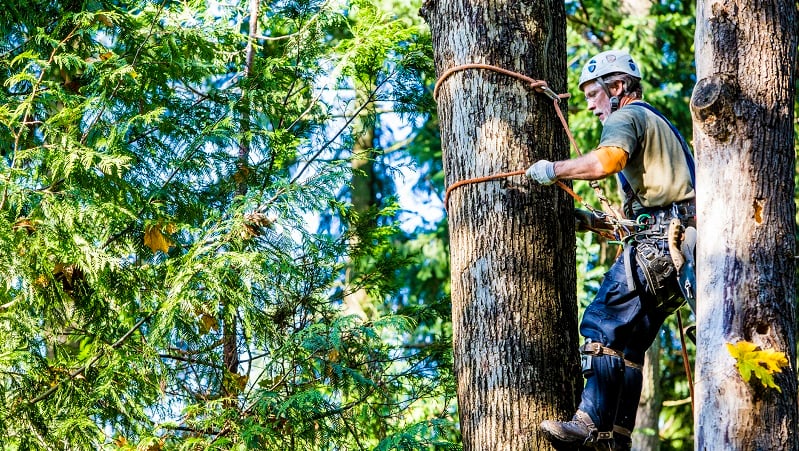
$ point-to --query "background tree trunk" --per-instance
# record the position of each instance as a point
(362, 195)
(230, 329)
(514, 312)
(645, 435)
(743, 107)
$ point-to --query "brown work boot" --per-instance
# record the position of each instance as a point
(579, 431)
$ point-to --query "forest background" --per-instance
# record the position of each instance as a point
(226, 233)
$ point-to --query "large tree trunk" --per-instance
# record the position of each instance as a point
(514, 311)
(743, 108)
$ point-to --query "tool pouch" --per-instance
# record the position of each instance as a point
(655, 263)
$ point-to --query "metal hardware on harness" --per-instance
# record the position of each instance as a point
(594, 434)
(596, 349)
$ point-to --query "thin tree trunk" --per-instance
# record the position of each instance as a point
(230, 326)
(363, 195)
(514, 311)
(743, 107)
(646, 435)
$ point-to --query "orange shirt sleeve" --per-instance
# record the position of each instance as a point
(613, 159)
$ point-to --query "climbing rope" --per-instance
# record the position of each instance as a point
(542, 87)
(502, 176)
(686, 364)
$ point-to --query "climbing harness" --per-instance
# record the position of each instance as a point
(663, 246)
(610, 214)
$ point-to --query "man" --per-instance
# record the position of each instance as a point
(641, 289)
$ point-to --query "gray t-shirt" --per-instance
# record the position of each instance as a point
(656, 168)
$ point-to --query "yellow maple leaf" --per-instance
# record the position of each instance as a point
(155, 240)
(763, 363)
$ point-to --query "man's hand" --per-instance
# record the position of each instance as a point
(585, 220)
(543, 172)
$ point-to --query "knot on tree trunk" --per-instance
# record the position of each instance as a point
(427, 8)
(712, 105)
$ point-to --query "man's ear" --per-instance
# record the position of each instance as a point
(616, 88)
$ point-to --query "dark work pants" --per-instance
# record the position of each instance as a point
(626, 319)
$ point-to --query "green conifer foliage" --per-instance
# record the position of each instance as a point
(127, 241)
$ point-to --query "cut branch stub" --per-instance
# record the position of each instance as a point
(712, 105)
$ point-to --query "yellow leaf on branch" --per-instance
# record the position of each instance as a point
(763, 363)
(155, 240)
(207, 323)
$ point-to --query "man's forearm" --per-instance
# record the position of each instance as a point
(586, 167)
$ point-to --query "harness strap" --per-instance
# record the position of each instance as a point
(628, 266)
(594, 434)
(596, 348)
(685, 362)
(633, 365)
(689, 159)
(622, 431)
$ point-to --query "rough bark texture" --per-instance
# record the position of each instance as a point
(512, 245)
(743, 110)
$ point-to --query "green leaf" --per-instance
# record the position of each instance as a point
(751, 360)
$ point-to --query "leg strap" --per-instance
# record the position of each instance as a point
(596, 348)
(593, 433)
(633, 365)
(622, 431)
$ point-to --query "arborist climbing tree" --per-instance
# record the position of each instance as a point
(514, 311)
(654, 274)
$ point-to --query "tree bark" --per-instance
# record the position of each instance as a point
(743, 107)
(514, 311)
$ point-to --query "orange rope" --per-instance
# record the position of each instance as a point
(685, 362)
(502, 176)
(477, 180)
(540, 86)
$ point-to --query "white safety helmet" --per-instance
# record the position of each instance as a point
(610, 62)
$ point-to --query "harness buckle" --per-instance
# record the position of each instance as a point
(596, 348)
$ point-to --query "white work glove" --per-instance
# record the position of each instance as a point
(543, 172)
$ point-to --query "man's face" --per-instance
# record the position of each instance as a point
(598, 100)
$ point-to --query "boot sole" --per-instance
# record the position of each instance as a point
(559, 443)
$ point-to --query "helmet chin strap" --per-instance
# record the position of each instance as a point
(614, 100)
(614, 103)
